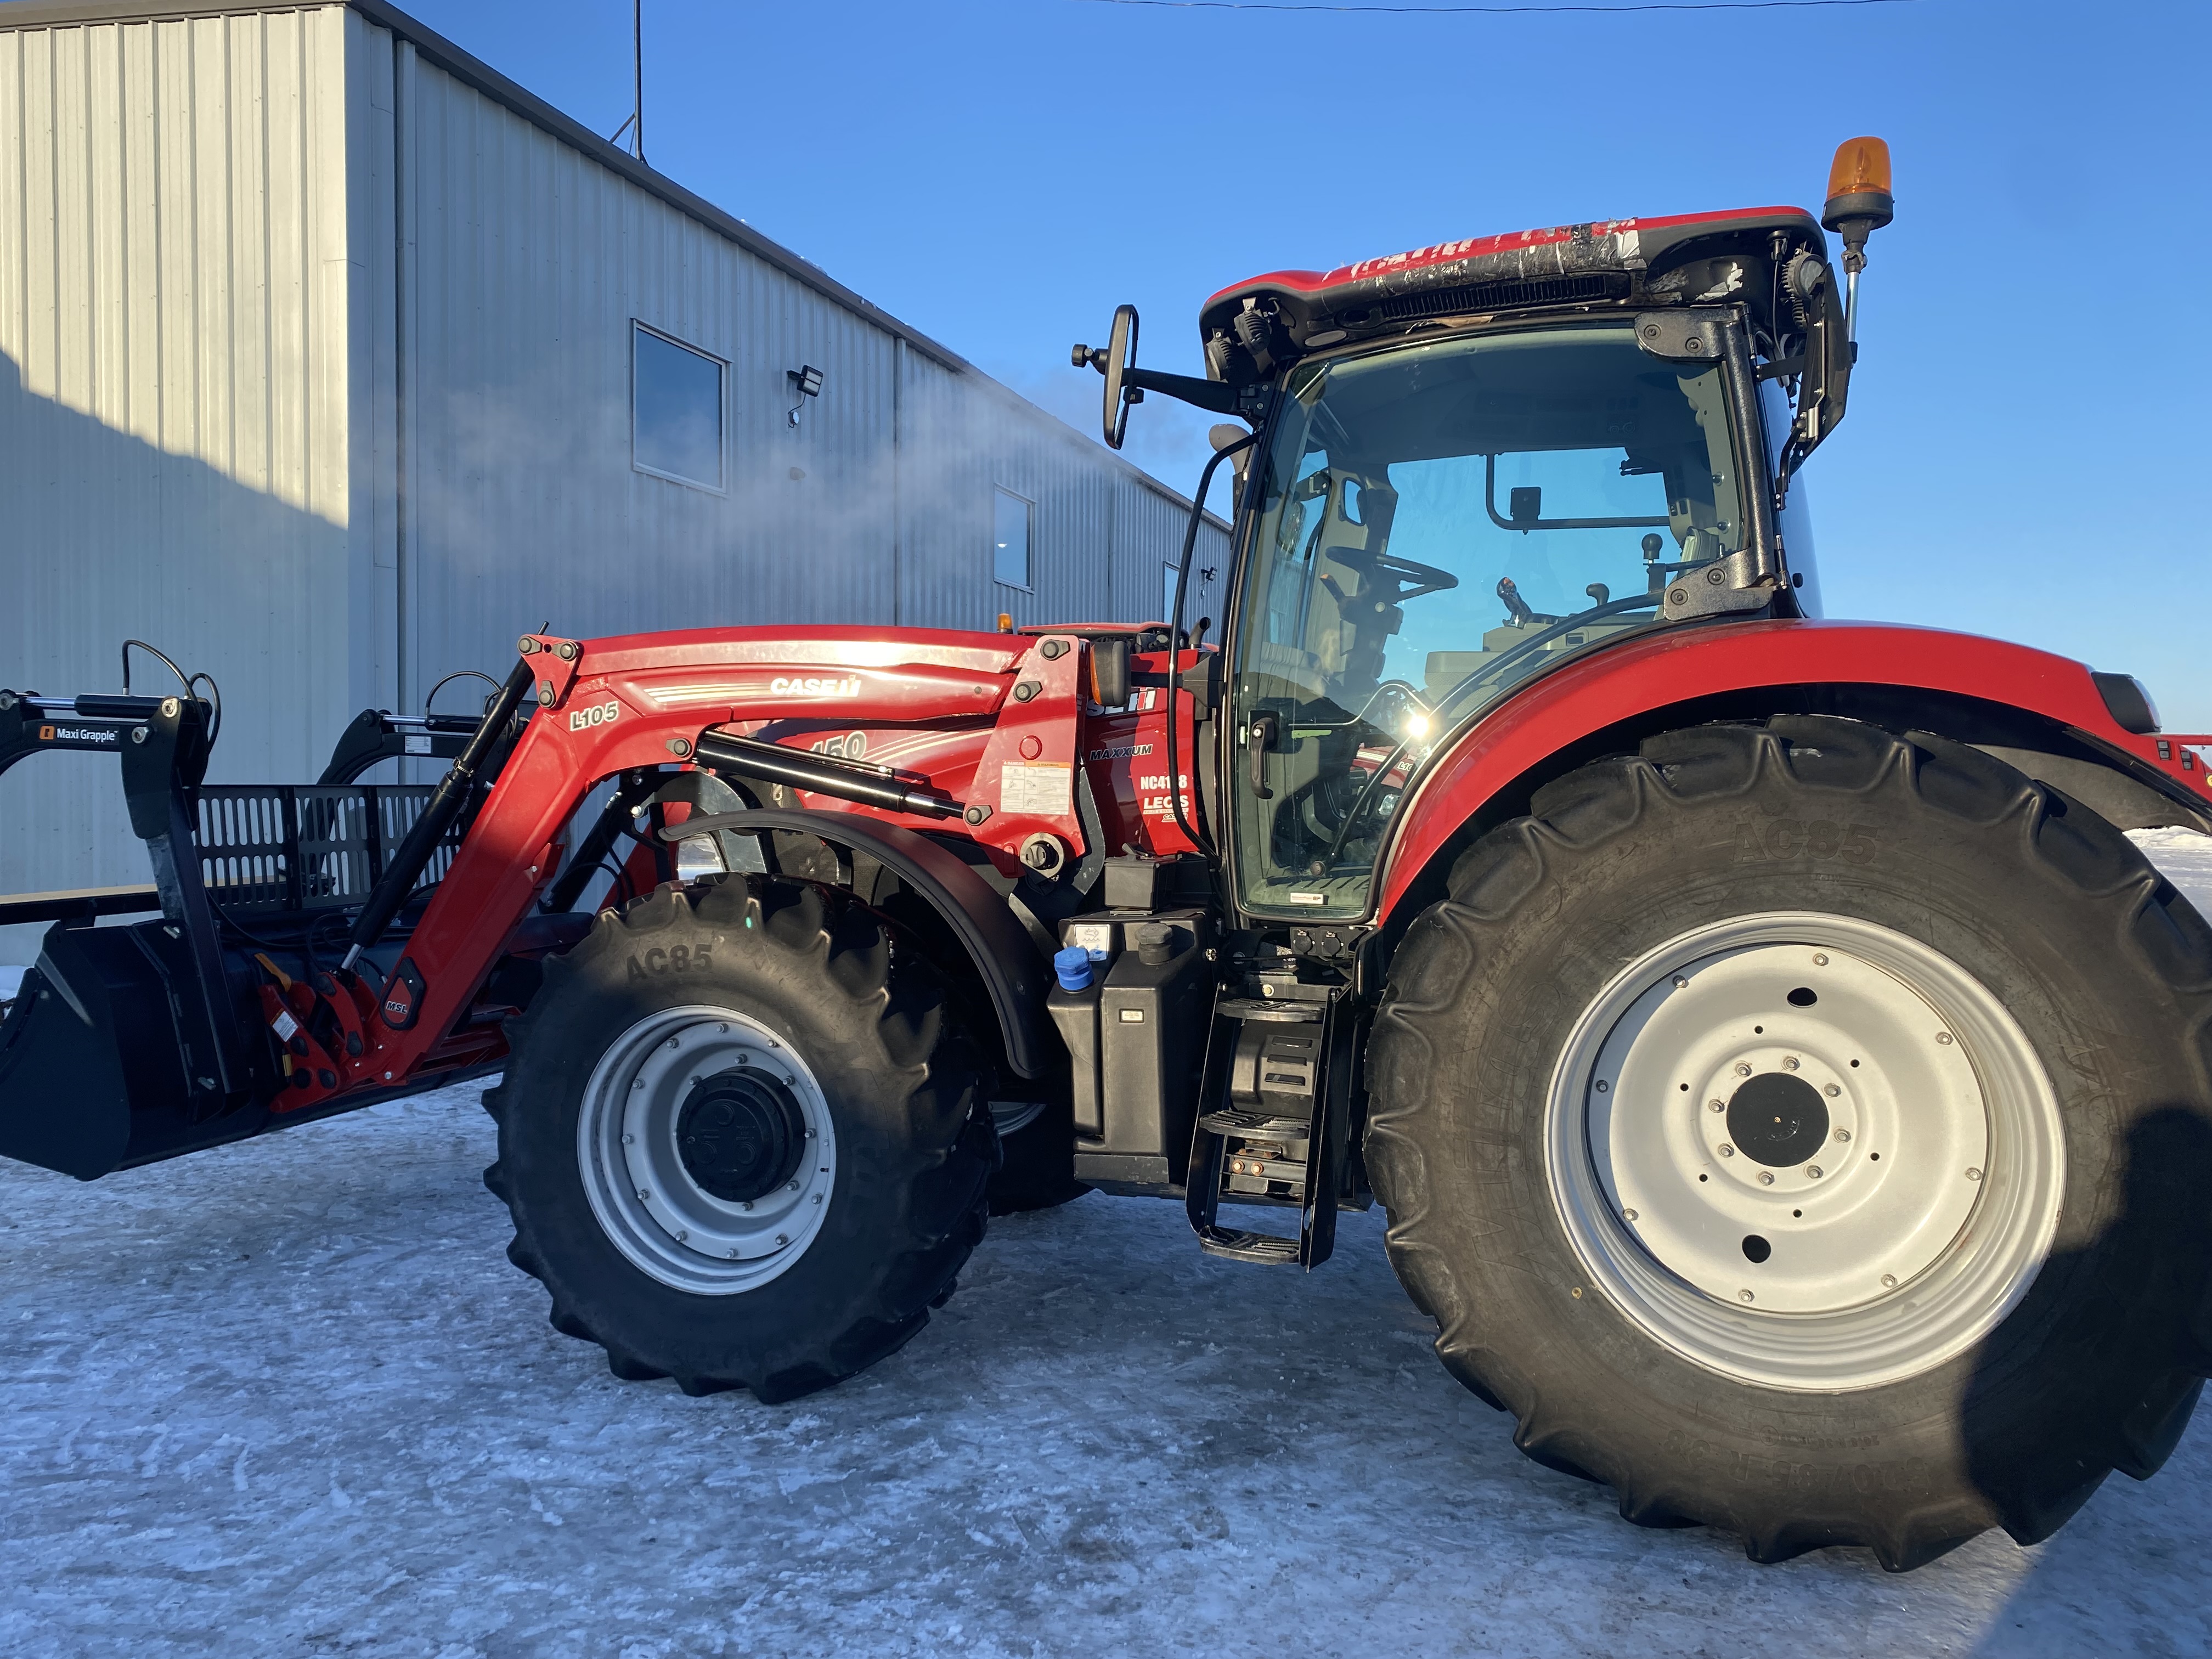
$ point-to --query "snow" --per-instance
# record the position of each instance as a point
(289, 1398)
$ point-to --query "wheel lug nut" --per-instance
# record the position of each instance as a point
(1843, 1134)
(1715, 1106)
(1814, 1171)
(1680, 983)
(629, 1140)
(1628, 1215)
(1889, 1281)
(1832, 1090)
(746, 1206)
(1943, 1037)
(1820, 959)
(1766, 1177)
(1742, 1068)
(682, 1236)
(1743, 1296)
(1973, 1175)
(643, 1196)
(1789, 1062)
(1727, 1150)
(783, 1239)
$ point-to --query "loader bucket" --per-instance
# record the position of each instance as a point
(94, 1076)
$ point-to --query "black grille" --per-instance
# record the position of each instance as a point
(1498, 296)
(278, 847)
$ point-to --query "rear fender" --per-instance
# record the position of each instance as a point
(2041, 712)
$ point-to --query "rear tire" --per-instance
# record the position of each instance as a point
(738, 1143)
(1893, 1355)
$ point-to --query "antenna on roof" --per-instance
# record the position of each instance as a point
(636, 124)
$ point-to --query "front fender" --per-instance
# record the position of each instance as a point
(1013, 973)
(1621, 684)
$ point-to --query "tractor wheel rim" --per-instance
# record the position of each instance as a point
(1805, 1151)
(647, 1176)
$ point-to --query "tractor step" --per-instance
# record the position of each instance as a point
(1273, 1061)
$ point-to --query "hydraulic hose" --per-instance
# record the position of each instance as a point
(445, 805)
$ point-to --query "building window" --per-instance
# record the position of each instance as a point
(1167, 599)
(675, 402)
(1010, 538)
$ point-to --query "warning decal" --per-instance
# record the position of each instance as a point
(1042, 790)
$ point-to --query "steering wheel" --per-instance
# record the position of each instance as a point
(1412, 578)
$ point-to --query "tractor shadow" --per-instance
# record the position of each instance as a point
(2164, 1220)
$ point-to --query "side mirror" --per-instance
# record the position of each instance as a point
(1114, 360)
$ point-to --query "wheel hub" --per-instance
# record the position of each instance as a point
(707, 1149)
(1805, 1150)
(740, 1133)
(1777, 1120)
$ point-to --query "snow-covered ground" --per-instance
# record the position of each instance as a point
(289, 1398)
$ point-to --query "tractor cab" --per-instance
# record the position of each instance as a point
(1474, 462)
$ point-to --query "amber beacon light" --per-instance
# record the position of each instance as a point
(1859, 204)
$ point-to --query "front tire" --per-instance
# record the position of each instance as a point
(739, 1145)
(1633, 1087)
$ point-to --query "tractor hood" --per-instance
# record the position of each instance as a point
(1254, 329)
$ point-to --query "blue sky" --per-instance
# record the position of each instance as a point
(2027, 450)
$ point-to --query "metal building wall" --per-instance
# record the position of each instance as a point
(179, 235)
(315, 371)
(523, 263)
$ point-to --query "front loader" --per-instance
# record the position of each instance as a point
(1790, 1089)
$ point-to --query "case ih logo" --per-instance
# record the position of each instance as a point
(599, 713)
(812, 685)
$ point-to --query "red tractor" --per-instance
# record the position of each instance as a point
(1788, 1085)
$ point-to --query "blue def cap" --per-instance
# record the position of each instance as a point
(1073, 965)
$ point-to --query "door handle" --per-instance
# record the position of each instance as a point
(1259, 738)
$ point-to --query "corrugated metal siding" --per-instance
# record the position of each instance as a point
(524, 264)
(174, 396)
(315, 369)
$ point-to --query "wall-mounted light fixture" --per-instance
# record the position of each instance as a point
(804, 383)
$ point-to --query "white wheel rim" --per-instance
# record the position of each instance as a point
(648, 1199)
(1905, 1203)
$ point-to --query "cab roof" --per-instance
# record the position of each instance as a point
(1679, 258)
